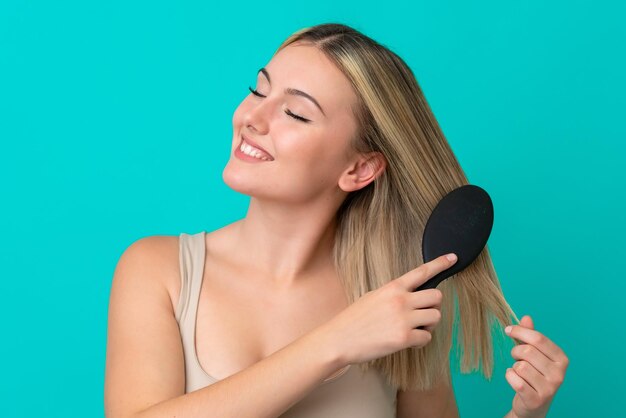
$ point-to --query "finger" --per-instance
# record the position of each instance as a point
(416, 277)
(530, 374)
(527, 322)
(553, 372)
(427, 298)
(521, 387)
(430, 328)
(533, 356)
(427, 318)
(537, 339)
(419, 337)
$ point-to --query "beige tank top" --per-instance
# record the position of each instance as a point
(349, 394)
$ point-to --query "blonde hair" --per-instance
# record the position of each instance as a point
(380, 226)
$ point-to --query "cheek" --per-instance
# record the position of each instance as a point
(312, 159)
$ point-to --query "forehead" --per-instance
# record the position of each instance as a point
(306, 68)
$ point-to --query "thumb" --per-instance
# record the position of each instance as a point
(527, 322)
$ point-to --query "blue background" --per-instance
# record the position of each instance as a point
(115, 124)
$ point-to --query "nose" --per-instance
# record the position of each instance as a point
(258, 114)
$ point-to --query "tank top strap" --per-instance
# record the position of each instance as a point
(191, 253)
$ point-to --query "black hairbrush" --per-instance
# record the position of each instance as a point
(460, 223)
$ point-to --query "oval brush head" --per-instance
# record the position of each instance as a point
(460, 223)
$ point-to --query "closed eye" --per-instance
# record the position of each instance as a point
(287, 111)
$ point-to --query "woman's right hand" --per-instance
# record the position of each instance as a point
(384, 320)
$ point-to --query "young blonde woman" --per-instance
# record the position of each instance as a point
(305, 308)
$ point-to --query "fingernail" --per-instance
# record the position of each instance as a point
(508, 329)
(451, 257)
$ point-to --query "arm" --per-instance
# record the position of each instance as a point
(144, 374)
(437, 402)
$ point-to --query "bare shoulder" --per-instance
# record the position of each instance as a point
(159, 249)
(141, 318)
(156, 258)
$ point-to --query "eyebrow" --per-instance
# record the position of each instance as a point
(294, 92)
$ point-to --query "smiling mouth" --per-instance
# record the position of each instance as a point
(252, 151)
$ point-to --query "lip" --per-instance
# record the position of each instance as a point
(255, 145)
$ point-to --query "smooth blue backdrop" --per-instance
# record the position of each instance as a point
(115, 124)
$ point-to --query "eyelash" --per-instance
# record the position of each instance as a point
(293, 115)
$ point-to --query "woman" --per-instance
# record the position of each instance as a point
(305, 307)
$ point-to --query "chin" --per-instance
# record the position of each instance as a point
(250, 184)
(238, 181)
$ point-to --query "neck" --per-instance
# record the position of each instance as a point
(287, 243)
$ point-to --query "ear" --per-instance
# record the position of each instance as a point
(363, 171)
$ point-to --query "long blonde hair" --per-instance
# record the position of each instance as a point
(380, 226)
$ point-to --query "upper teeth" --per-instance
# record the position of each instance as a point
(253, 152)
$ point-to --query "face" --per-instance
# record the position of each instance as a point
(304, 159)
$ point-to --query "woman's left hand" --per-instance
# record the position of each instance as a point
(538, 371)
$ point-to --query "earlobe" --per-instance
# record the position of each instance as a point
(364, 171)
